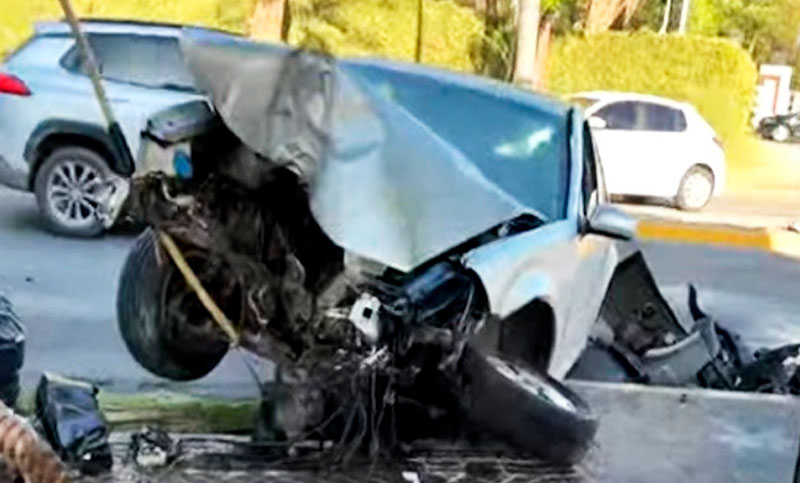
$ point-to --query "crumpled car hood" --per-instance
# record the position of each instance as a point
(384, 182)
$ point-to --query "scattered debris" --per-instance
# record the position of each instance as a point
(152, 448)
(638, 338)
(12, 353)
(71, 421)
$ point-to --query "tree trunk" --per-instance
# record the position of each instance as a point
(543, 55)
(267, 21)
(686, 6)
(527, 43)
(667, 15)
(420, 27)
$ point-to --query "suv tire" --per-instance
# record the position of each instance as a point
(67, 186)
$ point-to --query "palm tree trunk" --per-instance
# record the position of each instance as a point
(667, 15)
(267, 21)
(527, 43)
(686, 6)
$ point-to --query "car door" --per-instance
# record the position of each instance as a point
(597, 257)
(618, 145)
(142, 74)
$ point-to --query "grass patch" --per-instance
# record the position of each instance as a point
(170, 411)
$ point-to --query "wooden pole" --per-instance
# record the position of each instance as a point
(123, 163)
(667, 15)
(686, 7)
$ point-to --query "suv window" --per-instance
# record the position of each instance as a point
(663, 118)
(620, 115)
(149, 61)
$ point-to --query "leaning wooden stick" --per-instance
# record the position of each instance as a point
(205, 298)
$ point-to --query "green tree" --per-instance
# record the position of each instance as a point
(766, 28)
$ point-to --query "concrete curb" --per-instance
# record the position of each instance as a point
(774, 240)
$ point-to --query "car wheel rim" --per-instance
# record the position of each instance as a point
(534, 384)
(781, 134)
(697, 190)
(73, 193)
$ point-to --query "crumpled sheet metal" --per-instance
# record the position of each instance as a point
(356, 147)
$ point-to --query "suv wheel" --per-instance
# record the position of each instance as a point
(696, 189)
(68, 187)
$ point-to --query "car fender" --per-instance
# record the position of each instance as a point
(45, 130)
(531, 267)
(524, 267)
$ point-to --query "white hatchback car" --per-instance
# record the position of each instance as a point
(655, 147)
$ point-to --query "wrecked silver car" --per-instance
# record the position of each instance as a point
(406, 244)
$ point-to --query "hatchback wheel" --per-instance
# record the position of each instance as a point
(781, 134)
(696, 189)
(68, 189)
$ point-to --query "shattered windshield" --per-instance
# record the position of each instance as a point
(520, 148)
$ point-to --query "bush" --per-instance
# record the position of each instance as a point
(17, 18)
(714, 75)
(388, 28)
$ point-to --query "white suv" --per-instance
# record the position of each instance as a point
(655, 147)
(54, 140)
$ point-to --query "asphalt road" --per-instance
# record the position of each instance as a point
(65, 290)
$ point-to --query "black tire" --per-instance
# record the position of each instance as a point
(56, 221)
(156, 345)
(684, 199)
(509, 401)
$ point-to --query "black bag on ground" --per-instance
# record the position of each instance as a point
(12, 353)
(72, 423)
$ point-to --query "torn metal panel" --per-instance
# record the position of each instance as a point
(364, 133)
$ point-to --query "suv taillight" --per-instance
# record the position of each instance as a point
(13, 85)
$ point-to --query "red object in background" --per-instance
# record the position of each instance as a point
(12, 85)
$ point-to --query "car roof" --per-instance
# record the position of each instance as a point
(110, 26)
(617, 96)
(501, 91)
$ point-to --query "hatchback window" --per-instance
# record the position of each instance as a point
(620, 115)
(148, 61)
(663, 118)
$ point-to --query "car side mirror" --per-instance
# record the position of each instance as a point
(610, 221)
(597, 123)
